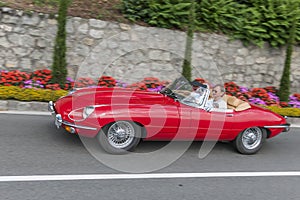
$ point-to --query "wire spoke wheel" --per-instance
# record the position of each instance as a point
(250, 140)
(120, 134)
(252, 137)
(119, 137)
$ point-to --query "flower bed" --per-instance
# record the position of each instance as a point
(37, 86)
(261, 96)
(30, 94)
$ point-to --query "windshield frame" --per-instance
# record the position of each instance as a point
(181, 90)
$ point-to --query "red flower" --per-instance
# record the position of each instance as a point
(106, 81)
(271, 89)
(84, 82)
(150, 80)
(200, 80)
(53, 86)
(138, 86)
(284, 104)
(297, 95)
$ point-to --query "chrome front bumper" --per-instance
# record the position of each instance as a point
(58, 119)
(286, 127)
(51, 107)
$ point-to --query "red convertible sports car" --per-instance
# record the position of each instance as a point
(119, 118)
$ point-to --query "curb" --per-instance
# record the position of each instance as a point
(294, 121)
(16, 112)
(41, 108)
(30, 106)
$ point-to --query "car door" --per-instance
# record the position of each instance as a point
(163, 120)
(214, 125)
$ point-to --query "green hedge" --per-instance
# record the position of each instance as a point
(161, 13)
(252, 21)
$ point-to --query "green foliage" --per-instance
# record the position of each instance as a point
(160, 13)
(136, 10)
(187, 63)
(274, 18)
(284, 89)
(2, 4)
(252, 21)
(30, 94)
(169, 13)
(59, 66)
(219, 15)
(46, 2)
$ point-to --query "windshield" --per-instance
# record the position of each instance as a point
(186, 93)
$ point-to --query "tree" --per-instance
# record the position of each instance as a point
(187, 63)
(59, 65)
(294, 15)
(284, 89)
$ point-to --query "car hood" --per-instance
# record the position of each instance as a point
(101, 96)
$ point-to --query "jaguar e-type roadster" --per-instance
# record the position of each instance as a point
(120, 117)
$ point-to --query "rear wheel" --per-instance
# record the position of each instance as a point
(250, 140)
(119, 137)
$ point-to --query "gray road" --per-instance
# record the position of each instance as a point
(31, 145)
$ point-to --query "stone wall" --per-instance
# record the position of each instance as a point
(131, 52)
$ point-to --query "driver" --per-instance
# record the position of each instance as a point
(198, 95)
(196, 85)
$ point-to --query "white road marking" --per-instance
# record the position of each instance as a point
(146, 176)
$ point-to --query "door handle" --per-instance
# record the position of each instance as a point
(229, 115)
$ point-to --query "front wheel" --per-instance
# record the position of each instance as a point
(120, 137)
(250, 140)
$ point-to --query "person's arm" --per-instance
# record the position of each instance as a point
(221, 107)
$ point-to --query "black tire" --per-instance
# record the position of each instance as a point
(119, 137)
(250, 140)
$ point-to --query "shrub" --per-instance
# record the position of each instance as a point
(9, 92)
(254, 22)
(165, 14)
(291, 112)
(136, 10)
(59, 65)
(30, 94)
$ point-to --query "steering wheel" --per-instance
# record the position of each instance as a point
(169, 92)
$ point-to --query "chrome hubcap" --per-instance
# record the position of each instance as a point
(120, 134)
(252, 138)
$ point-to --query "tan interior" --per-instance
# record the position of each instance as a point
(235, 103)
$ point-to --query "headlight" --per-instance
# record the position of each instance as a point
(87, 111)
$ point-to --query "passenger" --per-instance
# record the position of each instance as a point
(217, 101)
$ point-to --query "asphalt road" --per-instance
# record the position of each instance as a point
(31, 145)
